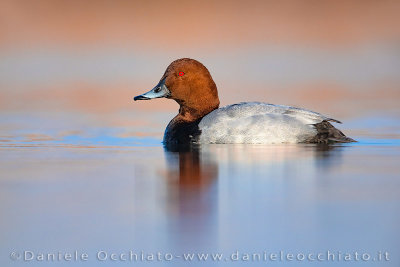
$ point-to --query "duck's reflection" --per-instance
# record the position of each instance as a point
(193, 169)
(189, 168)
(191, 194)
(191, 177)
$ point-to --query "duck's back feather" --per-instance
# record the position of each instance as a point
(254, 122)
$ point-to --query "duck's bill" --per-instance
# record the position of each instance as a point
(160, 90)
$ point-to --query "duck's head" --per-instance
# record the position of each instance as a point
(189, 83)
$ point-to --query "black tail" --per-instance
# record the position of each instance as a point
(327, 134)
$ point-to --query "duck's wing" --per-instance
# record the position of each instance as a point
(300, 112)
(249, 109)
(255, 122)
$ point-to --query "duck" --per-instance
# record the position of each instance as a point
(200, 120)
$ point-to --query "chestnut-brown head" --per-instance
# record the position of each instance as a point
(189, 83)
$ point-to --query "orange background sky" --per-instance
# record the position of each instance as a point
(341, 58)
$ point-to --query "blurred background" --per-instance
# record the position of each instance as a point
(82, 165)
(67, 65)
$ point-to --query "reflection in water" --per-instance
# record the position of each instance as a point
(327, 156)
(194, 170)
(209, 198)
(191, 194)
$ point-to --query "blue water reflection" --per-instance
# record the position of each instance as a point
(104, 192)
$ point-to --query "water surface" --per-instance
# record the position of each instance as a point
(100, 189)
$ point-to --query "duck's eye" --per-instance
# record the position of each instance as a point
(158, 89)
(181, 73)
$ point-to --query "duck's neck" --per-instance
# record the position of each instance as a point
(184, 127)
(191, 113)
(188, 115)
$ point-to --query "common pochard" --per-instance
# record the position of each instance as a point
(200, 120)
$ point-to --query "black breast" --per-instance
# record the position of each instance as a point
(180, 132)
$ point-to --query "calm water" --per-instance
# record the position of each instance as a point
(98, 192)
